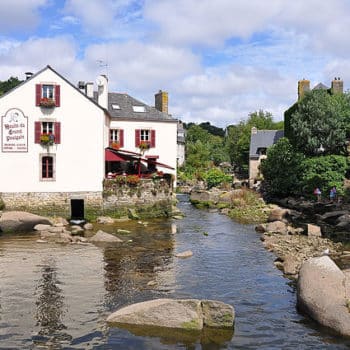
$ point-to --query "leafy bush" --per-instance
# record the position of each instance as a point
(323, 172)
(281, 169)
(216, 177)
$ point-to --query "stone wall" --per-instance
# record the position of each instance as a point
(51, 203)
(153, 196)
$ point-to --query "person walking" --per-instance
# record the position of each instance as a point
(317, 193)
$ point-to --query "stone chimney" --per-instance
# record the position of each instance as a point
(303, 86)
(337, 86)
(161, 101)
(102, 91)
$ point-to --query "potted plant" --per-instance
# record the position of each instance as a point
(144, 146)
(47, 102)
(47, 139)
(115, 145)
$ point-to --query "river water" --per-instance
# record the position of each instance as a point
(58, 296)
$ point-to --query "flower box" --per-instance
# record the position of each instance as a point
(47, 102)
(115, 145)
(47, 139)
(144, 146)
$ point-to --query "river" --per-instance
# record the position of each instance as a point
(58, 296)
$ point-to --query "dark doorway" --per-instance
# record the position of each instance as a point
(77, 209)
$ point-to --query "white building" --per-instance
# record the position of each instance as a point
(53, 139)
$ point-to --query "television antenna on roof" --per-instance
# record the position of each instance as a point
(103, 64)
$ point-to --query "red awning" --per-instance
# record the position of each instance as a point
(113, 157)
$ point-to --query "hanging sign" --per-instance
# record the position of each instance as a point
(14, 131)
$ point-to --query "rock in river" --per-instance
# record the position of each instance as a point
(188, 314)
(20, 221)
(102, 236)
(323, 294)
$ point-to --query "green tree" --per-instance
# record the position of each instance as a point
(323, 172)
(319, 123)
(9, 84)
(281, 169)
(203, 150)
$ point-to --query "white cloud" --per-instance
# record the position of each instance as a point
(19, 15)
(140, 67)
(34, 54)
(104, 20)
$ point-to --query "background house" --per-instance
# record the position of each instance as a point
(260, 140)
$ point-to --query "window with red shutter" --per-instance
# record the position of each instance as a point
(137, 137)
(57, 95)
(37, 132)
(121, 138)
(153, 138)
(38, 95)
(47, 95)
(57, 132)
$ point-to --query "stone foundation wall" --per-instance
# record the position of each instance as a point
(51, 203)
(145, 196)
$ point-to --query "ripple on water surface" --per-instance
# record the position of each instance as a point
(58, 296)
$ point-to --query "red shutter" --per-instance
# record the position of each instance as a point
(153, 138)
(137, 137)
(57, 95)
(37, 132)
(121, 138)
(37, 94)
(57, 132)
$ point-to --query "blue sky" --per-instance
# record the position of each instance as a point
(219, 60)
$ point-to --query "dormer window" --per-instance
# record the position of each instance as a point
(114, 106)
(47, 95)
(139, 109)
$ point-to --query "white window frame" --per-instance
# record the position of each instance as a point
(145, 135)
(48, 91)
(41, 157)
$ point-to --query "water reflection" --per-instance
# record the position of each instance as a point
(50, 307)
(135, 269)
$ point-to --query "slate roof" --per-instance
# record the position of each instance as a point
(126, 103)
(263, 139)
(320, 86)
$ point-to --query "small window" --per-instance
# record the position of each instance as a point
(115, 106)
(47, 95)
(145, 135)
(138, 109)
(114, 135)
(47, 127)
(48, 91)
(47, 163)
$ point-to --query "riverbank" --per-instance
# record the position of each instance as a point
(294, 234)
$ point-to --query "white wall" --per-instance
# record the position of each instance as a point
(79, 156)
(166, 140)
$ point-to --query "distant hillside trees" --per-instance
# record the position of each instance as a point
(9, 84)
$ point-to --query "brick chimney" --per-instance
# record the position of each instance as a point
(303, 86)
(161, 101)
(337, 86)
